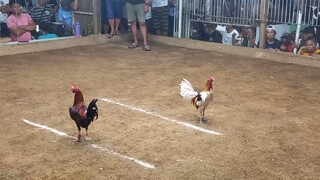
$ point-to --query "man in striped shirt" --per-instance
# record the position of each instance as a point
(41, 13)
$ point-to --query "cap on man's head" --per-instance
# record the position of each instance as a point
(270, 27)
(308, 30)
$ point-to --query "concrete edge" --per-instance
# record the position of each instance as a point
(239, 51)
(186, 43)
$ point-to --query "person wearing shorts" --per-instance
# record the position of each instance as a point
(136, 10)
(160, 14)
(113, 8)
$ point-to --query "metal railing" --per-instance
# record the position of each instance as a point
(248, 12)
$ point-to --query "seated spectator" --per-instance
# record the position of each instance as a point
(41, 14)
(286, 43)
(5, 8)
(272, 43)
(248, 37)
(54, 5)
(4, 11)
(310, 48)
(230, 35)
(307, 33)
(211, 34)
(65, 14)
(20, 24)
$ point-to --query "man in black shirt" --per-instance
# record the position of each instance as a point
(211, 34)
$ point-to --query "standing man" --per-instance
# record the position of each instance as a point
(136, 10)
(114, 8)
(160, 14)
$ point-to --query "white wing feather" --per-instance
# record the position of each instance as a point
(186, 90)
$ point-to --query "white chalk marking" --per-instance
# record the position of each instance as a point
(162, 117)
(109, 151)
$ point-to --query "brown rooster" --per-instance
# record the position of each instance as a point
(199, 100)
(81, 114)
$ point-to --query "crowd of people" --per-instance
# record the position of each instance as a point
(307, 45)
(150, 16)
(24, 20)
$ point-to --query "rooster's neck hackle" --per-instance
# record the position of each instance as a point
(208, 86)
(78, 98)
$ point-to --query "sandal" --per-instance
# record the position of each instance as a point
(110, 35)
(133, 45)
(147, 47)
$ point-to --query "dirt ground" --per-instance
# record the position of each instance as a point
(268, 113)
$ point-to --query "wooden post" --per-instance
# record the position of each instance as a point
(96, 5)
(263, 23)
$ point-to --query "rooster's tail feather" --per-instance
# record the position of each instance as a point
(186, 90)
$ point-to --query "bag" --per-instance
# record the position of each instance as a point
(57, 28)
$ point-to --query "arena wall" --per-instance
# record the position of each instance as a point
(10, 49)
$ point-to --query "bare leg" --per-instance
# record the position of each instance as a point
(134, 31)
(117, 26)
(111, 23)
(143, 29)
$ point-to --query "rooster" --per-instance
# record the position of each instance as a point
(199, 100)
(81, 114)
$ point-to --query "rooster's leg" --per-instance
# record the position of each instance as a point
(202, 119)
(79, 134)
(87, 138)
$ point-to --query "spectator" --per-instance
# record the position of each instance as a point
(272, 43)
(230, 35)
(247, 37)
(113, 8)
(286, 43)
(4, 11)
(65, 14)
(149, 23)
(54, 5)
(310, 48)
(160, 13)
(307, 33)
(41, 13)
(20, 24)
(5, 8)
(211, 34)
(172, 11)
(137, 9)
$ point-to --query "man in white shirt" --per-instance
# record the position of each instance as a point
(4, 11)
(160, 13)
(230, 36)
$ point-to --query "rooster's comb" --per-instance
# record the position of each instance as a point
(74, 88)
(211, 78)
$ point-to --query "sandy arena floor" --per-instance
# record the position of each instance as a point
(268, 113)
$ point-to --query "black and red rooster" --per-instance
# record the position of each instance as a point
(80, 113)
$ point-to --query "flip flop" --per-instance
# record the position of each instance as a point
(147, 47)
(133, 45)
(110, 35)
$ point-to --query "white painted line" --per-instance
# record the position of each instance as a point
(96, 146)
(162, 117)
